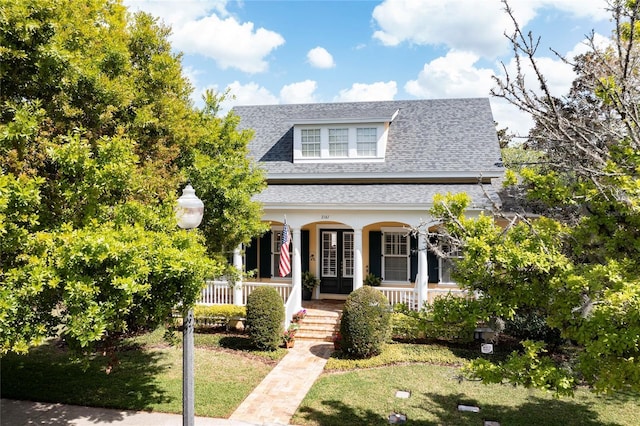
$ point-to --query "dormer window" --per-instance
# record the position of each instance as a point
(310, 140)
(367, 141)
(317, 140)
(338, 142)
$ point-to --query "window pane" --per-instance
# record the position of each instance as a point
(310, 139)
(347, 253)
(338, 142)
(366, 141)
(396, 256)
(395, 268)
(395, 243)
(329, 254)
(446, 265)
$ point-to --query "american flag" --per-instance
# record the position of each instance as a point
(285, 263)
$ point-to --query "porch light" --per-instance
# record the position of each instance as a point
(189, 213)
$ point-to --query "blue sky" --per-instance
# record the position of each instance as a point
(299, 51)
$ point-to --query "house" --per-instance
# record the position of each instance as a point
(352, 178)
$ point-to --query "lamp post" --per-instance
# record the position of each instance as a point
(189, 215)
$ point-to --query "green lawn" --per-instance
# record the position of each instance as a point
(148, 376)
(367, 397)
(363, 392)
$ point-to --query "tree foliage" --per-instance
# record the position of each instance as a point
(576, 261)
(97, 135)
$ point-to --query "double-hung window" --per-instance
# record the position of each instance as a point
(446, 263)
(366, 141)
(338, 142)
(395, 252)
(310, 139)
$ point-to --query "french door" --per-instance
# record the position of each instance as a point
(336, 257)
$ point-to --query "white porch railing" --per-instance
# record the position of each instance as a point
(408, 296)
(397, 295)
(218, 292)
(283, 289)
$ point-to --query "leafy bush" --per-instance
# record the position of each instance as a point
(219, 315)
(309, 281)
(366, 323)
(372, 280)
(448, 318)
(265, 318)
(532, 326)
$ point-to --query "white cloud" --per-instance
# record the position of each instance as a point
(205, 28)
(228, 42)
(458, 24)
(379, 91)
(299, 93)
(559, 77)
(465, 24)
(601, 42)
(174, 12)
(249, 94)
(191, 74)
(507, 115)
(451, 76)
(319, 57)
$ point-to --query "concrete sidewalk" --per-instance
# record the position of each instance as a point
(26, 413)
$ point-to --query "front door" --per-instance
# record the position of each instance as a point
(336, 267)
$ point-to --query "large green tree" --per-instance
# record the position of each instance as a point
(576, 261)
(97, 136)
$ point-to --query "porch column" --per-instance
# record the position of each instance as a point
(296, 270)
(237, 288)
(422, 280)
(357, 258)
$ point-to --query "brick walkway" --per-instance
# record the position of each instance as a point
(277, 397)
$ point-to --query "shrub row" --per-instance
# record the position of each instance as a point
(217, 315)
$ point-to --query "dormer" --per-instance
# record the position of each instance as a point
(341, 140)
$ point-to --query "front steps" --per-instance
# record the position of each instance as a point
(322, 321)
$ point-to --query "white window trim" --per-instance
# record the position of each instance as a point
(382, 131)
(396, 230)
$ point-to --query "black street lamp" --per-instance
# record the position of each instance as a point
(189, 215)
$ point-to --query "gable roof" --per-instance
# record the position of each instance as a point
(450, 140)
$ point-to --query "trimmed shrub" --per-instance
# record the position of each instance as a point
(217, 315)
(366, 323)
(265, 318)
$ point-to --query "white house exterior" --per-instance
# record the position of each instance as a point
(352, 178)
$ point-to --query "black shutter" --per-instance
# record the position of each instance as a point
(434, 264)
(265, 255)
(413, 257)
(375, 253)
(251, 255)
(304, 240)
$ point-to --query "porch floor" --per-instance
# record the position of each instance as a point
(324, 305)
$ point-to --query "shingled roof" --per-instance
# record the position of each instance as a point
(445, 139)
